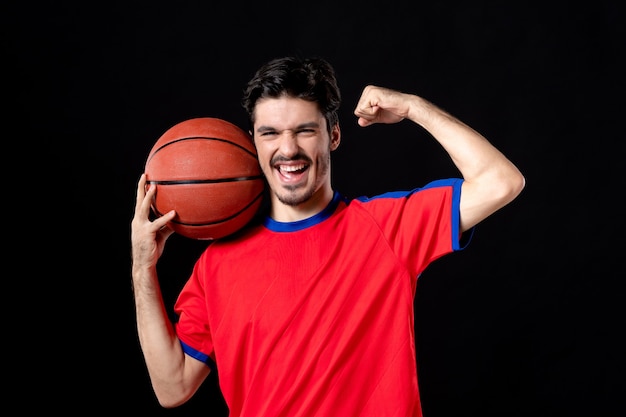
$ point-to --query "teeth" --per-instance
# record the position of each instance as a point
(291, 168)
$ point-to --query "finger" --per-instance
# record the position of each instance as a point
(363, 122)
(161, 223)
(149, 193)
(141, 190)
(367, 114)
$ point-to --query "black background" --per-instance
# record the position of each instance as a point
(526, 321)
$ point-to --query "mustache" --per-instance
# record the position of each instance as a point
(296, 158)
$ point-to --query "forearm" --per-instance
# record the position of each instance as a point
(472, 154)
(161, 348)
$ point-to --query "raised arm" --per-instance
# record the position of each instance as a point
(175, 376)
(491, 181)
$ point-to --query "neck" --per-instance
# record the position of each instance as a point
(287, 213)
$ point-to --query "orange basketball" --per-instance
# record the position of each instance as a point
(207, 170)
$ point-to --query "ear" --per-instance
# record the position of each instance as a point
(335, 137)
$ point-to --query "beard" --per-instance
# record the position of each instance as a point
(294, 198)
(298, 194)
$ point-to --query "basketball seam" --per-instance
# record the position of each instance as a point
(205, 181)
(232, 216)
(155, 151)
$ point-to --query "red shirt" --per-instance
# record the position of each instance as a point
(315, 318)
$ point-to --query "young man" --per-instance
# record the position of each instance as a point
(310, 313)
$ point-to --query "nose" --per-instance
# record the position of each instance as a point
(288, 143)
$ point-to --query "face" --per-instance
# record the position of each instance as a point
(293, 147)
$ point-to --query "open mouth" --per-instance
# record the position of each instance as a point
(291, 171)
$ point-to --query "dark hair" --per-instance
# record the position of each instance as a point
(311, 79)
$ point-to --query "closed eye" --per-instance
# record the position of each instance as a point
(306, 132)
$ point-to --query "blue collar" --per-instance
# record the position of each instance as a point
(277, 226)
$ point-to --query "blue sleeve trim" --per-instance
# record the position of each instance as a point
(459, 241)
(390, 194)
(196, 354)
(448, 182)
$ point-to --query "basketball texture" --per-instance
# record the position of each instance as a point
(207, 170)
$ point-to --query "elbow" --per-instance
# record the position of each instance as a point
(488, 195)
(517, 184)
(511, 187)
(170, 402)
(172, 398)
(173, 389)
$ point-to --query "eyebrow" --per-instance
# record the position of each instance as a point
(262, 129)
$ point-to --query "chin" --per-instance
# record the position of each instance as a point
(294, 198)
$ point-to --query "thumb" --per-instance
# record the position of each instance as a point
(363, 122)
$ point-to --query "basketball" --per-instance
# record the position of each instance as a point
(207, 170)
